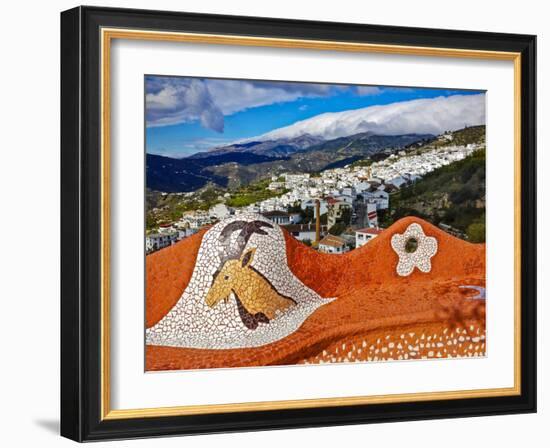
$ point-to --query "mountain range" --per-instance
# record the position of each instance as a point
(271, 148)
(324, 141)
(241, 163)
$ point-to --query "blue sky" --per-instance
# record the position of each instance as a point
(188, 115)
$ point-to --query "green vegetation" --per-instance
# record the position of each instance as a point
(476, 232)
(209, 196)
(463, 137)
(253, 192)
(166, 208)
(453, 195)
(338, 228)
(308, 214)
(171, 209)
(342, 224)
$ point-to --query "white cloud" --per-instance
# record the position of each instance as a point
(368, 90)
(430, 116)
(233, 95)
(169, 102)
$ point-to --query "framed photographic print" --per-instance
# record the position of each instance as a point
(276, 224)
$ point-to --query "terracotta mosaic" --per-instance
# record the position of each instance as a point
(245, 293)
(242, 292)
(429, 342)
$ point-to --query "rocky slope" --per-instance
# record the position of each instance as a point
(240, 164)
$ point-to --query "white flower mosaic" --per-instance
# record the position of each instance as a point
(234, 320)
(415, 249)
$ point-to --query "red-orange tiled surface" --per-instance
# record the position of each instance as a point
(167, 273)
(378, 315)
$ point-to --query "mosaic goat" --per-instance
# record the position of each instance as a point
(257, 299)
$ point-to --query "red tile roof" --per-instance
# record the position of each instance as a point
(370, 231)
(332, 240)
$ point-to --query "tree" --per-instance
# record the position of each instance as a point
(476, 232)
(307, 214)
(346, 216)
(337, 228)
(295, 208)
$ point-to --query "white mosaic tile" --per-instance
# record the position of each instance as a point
(193, 323)
(426, 248)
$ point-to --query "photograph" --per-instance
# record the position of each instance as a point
(273, 223)
(301, 223)
(284, 224)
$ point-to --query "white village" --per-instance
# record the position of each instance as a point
(334, 211)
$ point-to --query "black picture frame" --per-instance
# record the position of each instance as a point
(81, 224)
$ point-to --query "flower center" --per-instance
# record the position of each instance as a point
(411, 245)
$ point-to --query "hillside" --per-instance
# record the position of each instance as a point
(453, 195)
(182, 175)
(319, 157)
(270, 148)
(472, 134)
(347, 149)
(162, 207)
(240, 164)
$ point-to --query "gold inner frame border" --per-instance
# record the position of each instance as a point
(107, 36)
